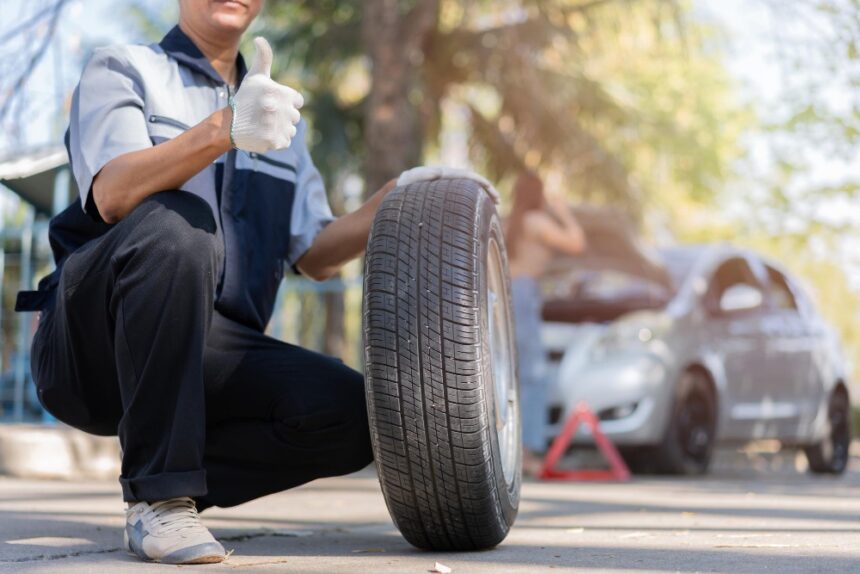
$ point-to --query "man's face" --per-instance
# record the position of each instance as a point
(219, 18)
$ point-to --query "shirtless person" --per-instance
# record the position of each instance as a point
(536, 232)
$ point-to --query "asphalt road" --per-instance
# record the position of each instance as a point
(754, 513)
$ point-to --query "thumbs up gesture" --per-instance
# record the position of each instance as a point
(265, 113)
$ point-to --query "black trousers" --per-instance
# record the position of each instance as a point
(204, 406)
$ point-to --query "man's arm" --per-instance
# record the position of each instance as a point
(264, 118)
(342, 240)
(346, 238)
(127, 180)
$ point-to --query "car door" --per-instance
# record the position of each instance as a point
(802, 341)
(788, 344)
(734, 303)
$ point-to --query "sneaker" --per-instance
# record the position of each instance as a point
(169, 531)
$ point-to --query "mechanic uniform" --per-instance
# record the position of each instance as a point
(152, 328)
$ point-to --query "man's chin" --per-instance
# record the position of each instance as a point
(230, 23)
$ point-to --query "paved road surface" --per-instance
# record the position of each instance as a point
(751, 515)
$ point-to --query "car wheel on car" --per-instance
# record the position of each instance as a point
(440, 362)
(830, 456)
(689, 441)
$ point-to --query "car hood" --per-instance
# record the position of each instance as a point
(612, 244)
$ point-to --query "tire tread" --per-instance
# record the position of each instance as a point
(426, 400)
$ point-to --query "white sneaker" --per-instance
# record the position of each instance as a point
(169, 531)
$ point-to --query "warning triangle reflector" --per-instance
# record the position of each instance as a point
(582, 414)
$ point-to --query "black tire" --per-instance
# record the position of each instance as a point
(639, 459)
(430, 387)
(831, 455)
(689, 442)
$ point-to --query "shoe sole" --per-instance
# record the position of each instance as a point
(213, 559)
(205, 559)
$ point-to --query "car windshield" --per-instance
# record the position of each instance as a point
(679, 262)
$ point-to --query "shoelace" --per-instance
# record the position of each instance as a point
(175, 515)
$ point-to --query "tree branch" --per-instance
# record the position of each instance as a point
(34, 60)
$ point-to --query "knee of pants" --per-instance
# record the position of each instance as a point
(340, 425)
(335, 407)
(181, 232)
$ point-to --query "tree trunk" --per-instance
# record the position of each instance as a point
(393, 41)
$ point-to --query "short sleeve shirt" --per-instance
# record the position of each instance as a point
(269, 207)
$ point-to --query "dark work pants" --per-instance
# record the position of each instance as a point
(204, 406)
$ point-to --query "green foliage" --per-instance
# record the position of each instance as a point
(318, 50)
(622, 100)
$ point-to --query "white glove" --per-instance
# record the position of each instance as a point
(265, 113)
(431, 172)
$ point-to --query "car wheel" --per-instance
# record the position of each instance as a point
(440, 362)
(830, 456)
(639, 459)
(689, 442)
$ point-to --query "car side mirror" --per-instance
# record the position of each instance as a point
(740, 297)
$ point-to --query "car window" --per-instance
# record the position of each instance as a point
(780, 293)
(731, 277)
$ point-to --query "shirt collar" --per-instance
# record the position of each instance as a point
(180, 47)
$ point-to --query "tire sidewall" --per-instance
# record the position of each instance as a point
(822, 456)
(675, 459)
(490, 227)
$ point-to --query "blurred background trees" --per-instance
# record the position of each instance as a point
(621, 101)
(22, 47)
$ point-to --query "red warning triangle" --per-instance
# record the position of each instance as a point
(583, 415)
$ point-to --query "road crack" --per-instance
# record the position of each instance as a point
(47, 557)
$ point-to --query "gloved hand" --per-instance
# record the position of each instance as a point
(430, 173)
(265, 113)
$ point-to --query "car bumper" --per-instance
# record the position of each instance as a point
(629, 394)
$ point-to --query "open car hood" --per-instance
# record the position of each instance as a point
(612, 244)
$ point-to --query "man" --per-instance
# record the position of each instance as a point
(196, 196)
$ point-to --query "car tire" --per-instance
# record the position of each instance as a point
(831, 455)
(639, 459)
(688, 445)
(440, 366)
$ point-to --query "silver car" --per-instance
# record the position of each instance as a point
(693, 347)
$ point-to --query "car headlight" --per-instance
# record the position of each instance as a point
(625, 336)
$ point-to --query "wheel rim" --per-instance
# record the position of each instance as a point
(695, 427)
(501, 362)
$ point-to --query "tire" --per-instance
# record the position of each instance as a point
(442, 392)
(689, 442)
(830, 456)
(639, 459)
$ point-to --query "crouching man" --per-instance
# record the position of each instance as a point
(197, 192)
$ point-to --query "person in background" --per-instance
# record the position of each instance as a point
(537, 230)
